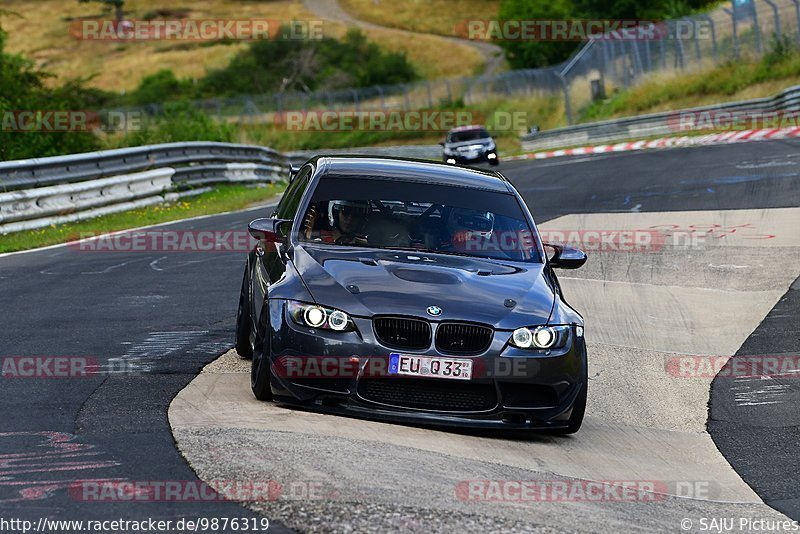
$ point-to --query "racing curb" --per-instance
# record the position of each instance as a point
(738, 136)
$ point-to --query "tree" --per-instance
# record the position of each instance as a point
(532, 53)
(117, 4)
(23, 88)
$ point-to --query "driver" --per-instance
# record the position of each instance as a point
(347, 219)
(470, 229)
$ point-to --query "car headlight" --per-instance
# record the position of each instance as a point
(491, 147)
(540, 337)
(449, 152)
(315, 316)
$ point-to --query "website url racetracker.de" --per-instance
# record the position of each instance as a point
(197, 524)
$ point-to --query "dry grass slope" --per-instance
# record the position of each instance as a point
(41, 31)
(439, 17)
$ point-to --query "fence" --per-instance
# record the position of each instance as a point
(658, 124)
(746, 28)
(601, 64)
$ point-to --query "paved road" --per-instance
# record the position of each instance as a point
(493, 55)
(174, 312)
(169, 313)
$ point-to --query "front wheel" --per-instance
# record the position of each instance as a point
(260, 374)
(243, 320)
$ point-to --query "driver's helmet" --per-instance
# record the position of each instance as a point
(334, 206)
(470, 224)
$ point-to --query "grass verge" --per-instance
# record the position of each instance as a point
(223, 198)
(547, 112)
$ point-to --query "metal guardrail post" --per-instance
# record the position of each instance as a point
(776, 17)
(734, 28)
(696, 40)
(613, 53)
(797, 16)
(637, 57)
(713, 29)
(383, 99)
(567, 105)
(756, 27)
(679, 53)
(430, 98)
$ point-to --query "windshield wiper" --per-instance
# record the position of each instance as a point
(409, 249)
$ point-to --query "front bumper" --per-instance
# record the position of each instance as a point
(345, 373)
(482, 157)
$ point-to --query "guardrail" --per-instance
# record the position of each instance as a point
(654, 124)
(36, 193)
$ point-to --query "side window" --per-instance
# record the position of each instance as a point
(291, 199)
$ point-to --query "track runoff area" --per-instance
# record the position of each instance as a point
(690, 250)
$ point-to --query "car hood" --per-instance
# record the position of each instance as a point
(365, 282)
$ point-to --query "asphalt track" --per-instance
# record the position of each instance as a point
(172, 313)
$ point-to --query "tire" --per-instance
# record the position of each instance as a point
(260, 374)
(578, 411)
(243, 320)
(494, 162)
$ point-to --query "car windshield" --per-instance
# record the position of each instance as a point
(468, 135)
(425, 217)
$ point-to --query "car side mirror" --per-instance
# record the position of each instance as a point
(566, 257)
(270, 230)
(441, 143)
(293, 170)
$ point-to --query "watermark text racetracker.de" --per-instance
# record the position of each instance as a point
(470, 241)
(743, 366)
(195, 30)
(141, 491)
(578, 490)
(61, 120)
(184, 524)
(582, 29)
(163, 241)
(378, 120)
(600, 240)
(64, 367)
(736, 120)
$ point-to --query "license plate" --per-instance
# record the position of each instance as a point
(452, 368)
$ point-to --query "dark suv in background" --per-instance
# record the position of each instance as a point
(469, 144)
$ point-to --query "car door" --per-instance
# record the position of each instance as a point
(270, 260)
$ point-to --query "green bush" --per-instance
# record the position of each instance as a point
(178, 122)
(279, 65)
(156, 87)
